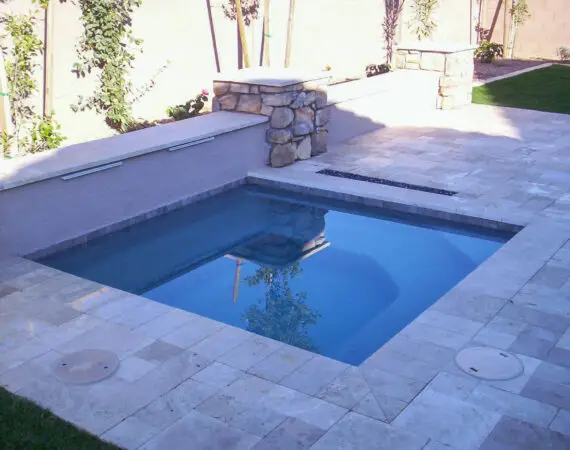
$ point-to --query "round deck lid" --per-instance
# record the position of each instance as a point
(489, 363)
(86, 366)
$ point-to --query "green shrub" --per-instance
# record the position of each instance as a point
(563, 53)
(189, 109)
(487, 52)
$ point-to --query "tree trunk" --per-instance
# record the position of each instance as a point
(241, 28)
(213, 35)
(47, 95)
(512, 37)
(289, 33)
(507, 6)
(265, 59)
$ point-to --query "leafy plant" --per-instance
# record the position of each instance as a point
(520, 14)
(45, 134)
(422, 23)
(21, 47)
(487, 52)
(106, 46)
(483, 33)
(563, 53)
(377, 69)
(250, 10)
(393, 13)
(189, 109)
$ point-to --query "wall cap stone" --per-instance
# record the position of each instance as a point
(86, 155)
(273, 77)
(436, 47)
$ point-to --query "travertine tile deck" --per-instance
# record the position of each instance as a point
(187, 380)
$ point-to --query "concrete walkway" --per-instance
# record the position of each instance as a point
(185, 380)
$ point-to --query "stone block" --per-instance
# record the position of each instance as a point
(413, 57)
(412, 65)
(310, 98)
(283, 155)
(281, 99)
(299, 101)
(282, 117)
(254, 90)
(227, 102)
(221, 88)
(249, 103)
(279, 136)
(448, 81)
(459, 64)
(401, 59)
(453, 91)
(304, 115)
(433, 61)
(322, 117)
(266, 110)
(303, 129)
(320, 98)
(239, 88)
(271, 89)
(304, 149)
(319, 141)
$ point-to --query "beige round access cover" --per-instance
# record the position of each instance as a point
(489, 363)
(86, 366)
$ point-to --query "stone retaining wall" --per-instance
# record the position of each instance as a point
(298, 115)
(457, 68)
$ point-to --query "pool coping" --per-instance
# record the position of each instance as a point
(495, 280)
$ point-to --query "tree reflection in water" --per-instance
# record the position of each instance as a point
(282, 315)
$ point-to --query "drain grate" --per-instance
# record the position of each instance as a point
(86, 366)
(489, 363)
(398, 184)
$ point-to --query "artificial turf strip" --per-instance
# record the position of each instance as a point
(545, 89)
(26, 426)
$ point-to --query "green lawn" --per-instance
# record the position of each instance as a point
(543, 90)
(25, 426)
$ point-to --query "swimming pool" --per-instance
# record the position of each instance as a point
(326, 276)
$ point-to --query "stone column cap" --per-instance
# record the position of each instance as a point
(436, 47)
(269, 76)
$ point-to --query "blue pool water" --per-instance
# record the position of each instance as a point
(317, 274)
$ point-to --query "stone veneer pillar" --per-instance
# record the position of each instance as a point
(296, 107)
(455, 63)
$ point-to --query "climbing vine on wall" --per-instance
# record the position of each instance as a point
(107, 46)
(30, 132)
(422, 23)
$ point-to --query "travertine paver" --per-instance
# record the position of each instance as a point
(188, 379)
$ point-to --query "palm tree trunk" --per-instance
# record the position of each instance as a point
(241, 28)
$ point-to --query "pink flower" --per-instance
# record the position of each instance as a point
(205, 92)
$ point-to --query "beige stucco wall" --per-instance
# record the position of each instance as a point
(345, 34)
(546, 30)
